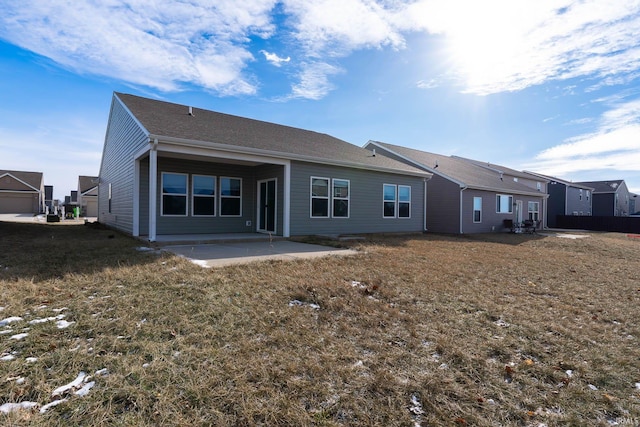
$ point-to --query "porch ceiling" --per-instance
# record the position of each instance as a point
(185, 156)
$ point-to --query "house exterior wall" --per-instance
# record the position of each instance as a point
(577, 201)
(557, 202)
(622, 202)
(491, 220)
(124, 138)
(365, 204)
(443, 206)
(603, 204)
(190, 224)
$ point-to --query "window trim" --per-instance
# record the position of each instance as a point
(185, 195)
(221, 196)
(334, 198)
(327, 197)
(395, 201)
(498, 197)
(194, 195)
(479, 221)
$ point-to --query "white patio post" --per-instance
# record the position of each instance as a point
(153, 189)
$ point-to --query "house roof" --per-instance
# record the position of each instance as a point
(31, 179)
(224, 131)
(601, 187)
(87, 183)
(456, 169)
(502, 169)
(562, 181)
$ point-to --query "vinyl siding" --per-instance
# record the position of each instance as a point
(443, 206)
(557, 202)
(493, 221)
(123, 139)
(574, 204)
(365, 202)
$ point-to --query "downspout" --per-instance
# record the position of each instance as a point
(460, 212)
(425, 204)
(153, 189)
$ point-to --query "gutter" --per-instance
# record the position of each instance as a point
(460, 214)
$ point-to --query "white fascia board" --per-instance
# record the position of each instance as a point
(274, 156)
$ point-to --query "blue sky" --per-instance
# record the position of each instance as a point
(548, 86)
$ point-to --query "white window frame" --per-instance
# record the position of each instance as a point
(536, 211)
(395, 200)
(194, 195)
(403, 202)
(327, 197)
(477, 210)
(334, 198)
(498, 204)
(221, 197)
(110, 198)
(185, 195)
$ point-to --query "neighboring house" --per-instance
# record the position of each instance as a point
(566, 198)
(173, 169)
(464, 197)
(48, 198)
(88, 195)
(634, 204)
(610, 198)
(21, 192)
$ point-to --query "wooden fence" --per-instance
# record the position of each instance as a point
(620, 224)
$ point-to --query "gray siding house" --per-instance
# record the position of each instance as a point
(21, 192)
(466, 197)
(566, 198)
(88, 195)
(172, 169)
(610, 198)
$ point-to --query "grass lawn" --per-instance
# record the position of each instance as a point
(429, 330)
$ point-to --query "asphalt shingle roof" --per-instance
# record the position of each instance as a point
(603, 186)
(458, 169)
(34, 179)
(86, 183)
(165, 119)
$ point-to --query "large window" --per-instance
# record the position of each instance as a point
(504, 203)
(204, 195)
(396, 201)
(319, 197)
(477, 209)
(534, 211)
(230, 196)
(174, 194)
(341, 196)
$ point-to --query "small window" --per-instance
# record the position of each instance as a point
(319, 197)
(539, 186)
(174, 194)
(230, 196)
(389, 201)
(204, 195)
(341, 196)
(504, 203)
(477, 209)
(580, 195)
(588, 194)
(109, 197)
(404, 201)
(534, 210)
(515, 179)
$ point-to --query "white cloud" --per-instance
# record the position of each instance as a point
(274, 58)
(314, 81)
(614, 146)
(505, 45)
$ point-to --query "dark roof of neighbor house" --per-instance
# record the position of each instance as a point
(561, 181)
(34, 179)
(502, 169)
(87, 183)
(457, 169)
(224, 131)
(601, 187)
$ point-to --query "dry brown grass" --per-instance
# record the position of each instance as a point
(482, 330)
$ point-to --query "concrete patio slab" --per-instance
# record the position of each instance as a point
(223, 254)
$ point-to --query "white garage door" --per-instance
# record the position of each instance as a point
(16, 203)
(92, 208)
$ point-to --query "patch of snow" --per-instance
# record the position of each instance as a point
(19, 336)
(31, 359)
(58, 310)
(638, 386)
(416, 407)
(103, 371)
(73, 384)
(502, 323)
(200, 262)
(20, 380)
(1, 308)
(569, 373)
(46, 407)
(5, 322)
(6, 331)
(296, 302)
(144, 249)
(443, 366)
(592, 387)
(63, 324)
(10, 407)
(42, 307)
(85, 389)
(491, 401)
(145, 365)
(46, 319)
(358, 364)
(7, 357)
(571, 236)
